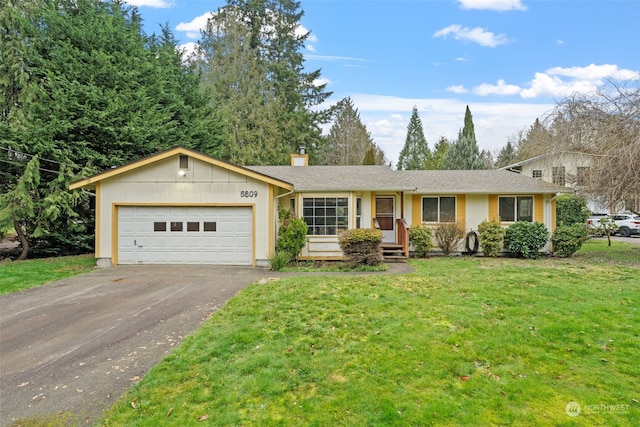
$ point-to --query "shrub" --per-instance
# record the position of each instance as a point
(567, 239)
(292, 234)
(491, 236)
(449, 235)
(525, 239)
(421, 238)
(571, 209)
(362, 246)
(279, 259)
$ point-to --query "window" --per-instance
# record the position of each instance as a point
(512, 209)
(537, 173)
(176, 226)
(184, 161)
(193, 226)
(358, 212)
(325, 216)
(558, 175)
(583, 175)
(439, 209)
(160, 226)
(209, 226)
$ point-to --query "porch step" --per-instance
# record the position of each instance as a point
(392, 252)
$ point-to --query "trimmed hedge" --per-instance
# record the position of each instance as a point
(362, 246)
(568, 239)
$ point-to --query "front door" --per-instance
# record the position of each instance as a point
(385, 214)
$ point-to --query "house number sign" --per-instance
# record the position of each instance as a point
(249, 193)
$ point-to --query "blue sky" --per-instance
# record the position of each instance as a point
(509, 60)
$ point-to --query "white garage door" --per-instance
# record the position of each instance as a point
(185, 235)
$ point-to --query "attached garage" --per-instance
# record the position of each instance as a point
(185, 235)
(184, 207)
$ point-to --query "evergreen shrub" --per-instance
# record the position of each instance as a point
(491, 237)
(292, 234)
(524, 239)
(421, 238)
(568, 239)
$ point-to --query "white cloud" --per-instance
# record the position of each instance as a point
(157, 4)
(192, 29)
(189, 49)
(594, 72)
(476, 35)
(457, 89)
(497, 5)
(501, 88)
(387, 118)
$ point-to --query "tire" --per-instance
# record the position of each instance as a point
(624, 232)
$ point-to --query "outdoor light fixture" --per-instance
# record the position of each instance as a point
(182, 172)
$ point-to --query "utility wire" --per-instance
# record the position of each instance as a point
(32, 155)
(21, 164)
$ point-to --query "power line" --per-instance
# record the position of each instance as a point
(13, 150)
(22, 164)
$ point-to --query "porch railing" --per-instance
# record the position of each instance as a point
(403, 234)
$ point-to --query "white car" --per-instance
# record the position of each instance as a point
(628, 223)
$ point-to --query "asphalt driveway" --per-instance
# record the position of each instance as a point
(77, 344)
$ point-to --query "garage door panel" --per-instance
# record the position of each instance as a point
(145, 235)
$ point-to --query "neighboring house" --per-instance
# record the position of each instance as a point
(184, 207)
(566, 168)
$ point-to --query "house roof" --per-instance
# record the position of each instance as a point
(358, 178)
(382, 178)
(477, 182)
(544, 156)
(92, 180)
(338, 178)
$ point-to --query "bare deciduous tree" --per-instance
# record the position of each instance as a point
(606, 124)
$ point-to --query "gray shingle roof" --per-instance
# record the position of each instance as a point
(382, 178)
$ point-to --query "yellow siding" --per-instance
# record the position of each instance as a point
(538, 208)
(373, 208)
(553, 214)
(493, 208)
(416, 209)
(461, 209)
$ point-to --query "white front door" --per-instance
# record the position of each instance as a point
(185, 235)
(386, 216)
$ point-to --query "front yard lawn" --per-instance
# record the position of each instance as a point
(462, 341)
(19, 275)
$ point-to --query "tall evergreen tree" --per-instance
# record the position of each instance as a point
(251, 59)
(464, 153)
(348, 138)
(506, 156)
(415, 154)
(438, 154)
(93, 92)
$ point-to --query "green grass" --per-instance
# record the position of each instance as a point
(20, 275)
(462, 341)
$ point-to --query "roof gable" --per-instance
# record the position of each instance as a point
(92, 180)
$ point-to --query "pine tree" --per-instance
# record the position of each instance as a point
(251, 60)
(415, 154)
(464, 154)
(438, 154)
(506, 156)
(348, 138)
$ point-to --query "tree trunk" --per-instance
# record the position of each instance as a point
(23, 241)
